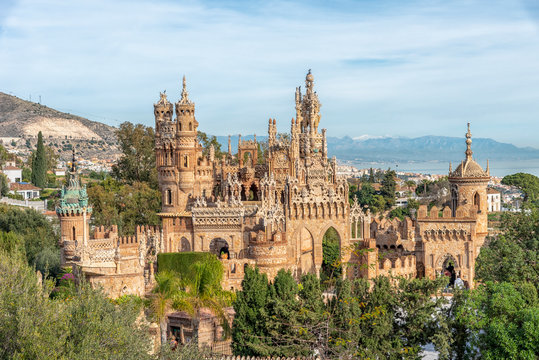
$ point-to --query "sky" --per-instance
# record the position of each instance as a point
(381, 68)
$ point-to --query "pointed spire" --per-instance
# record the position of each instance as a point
(488, 168)
(450, 168)
(185, 93)
(229, 146)
(468, 144)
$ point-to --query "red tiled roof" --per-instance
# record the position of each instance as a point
(19, 186)
(9, 167)
(492, 191)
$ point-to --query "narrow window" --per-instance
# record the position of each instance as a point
(169, 197)
(74, 234)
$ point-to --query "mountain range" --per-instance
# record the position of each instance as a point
(402, 149)
(20, 118)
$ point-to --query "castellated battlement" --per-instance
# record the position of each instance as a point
(462, 212)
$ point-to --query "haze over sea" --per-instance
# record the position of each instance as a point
(497, 168)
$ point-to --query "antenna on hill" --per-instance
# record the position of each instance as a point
(40, 99)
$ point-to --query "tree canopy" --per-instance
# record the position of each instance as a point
(39, 164)
(528, 183)
(137, 163)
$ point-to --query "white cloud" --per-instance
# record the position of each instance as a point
(414, 69)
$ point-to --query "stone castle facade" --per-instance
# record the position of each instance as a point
(272, 212)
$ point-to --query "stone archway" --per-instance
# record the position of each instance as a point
(185, 245)
(331, 254)
(306, 246)
(217, 244)
(444, 261)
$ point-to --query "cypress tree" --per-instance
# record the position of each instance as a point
(39, 164)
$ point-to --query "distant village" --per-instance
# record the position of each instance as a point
(91, 161)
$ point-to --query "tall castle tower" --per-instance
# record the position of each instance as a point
(186, 153)
(469, 187)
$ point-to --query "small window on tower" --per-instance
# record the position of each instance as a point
(180, 126)
(185, 161)
(74, 235)
(190, 126)
(169, 197)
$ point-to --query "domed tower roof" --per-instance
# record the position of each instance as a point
(469, 168)
(73, 198)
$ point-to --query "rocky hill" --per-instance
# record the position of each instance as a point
(21, 121)
(21, 118)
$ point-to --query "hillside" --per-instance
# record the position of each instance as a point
(21, 118)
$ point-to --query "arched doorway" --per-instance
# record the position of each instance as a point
(218, 245)
(306, 251)
(185, 245)
(331, 255)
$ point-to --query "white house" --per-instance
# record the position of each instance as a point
(494, 200)
(28, 191)
(13, 173)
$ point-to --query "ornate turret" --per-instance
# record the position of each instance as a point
(469, 187)
(74, 213)
(185, 112)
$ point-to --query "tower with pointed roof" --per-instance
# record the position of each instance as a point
(468, 183)
(74, 211)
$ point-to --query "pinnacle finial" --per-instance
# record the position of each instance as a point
(468, 144)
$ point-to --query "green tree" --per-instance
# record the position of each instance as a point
(249, 328)
(202, 290)
(126, 205)
(137, 162)
(167, 286)
(283, 322)
(4, 185)
(39, 164)
(207, 141)
(86, 326)
(528, 183)
(37, 233)
(512, 256)
(389, 185)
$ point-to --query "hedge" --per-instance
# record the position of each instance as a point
(182, 263)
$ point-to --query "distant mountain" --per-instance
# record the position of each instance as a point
(424, 148)
(24, 118)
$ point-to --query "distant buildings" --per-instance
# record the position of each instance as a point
(494, 200)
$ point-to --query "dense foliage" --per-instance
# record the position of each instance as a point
(84, 326)
(390, 321)
(183, 263)
(30, 234)
(528, 183)
(124, 204)
(137, 163)
(500, 319)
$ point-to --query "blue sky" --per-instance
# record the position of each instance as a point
(399, 68)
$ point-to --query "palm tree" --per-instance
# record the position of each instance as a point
(202, 290)
(161, 302)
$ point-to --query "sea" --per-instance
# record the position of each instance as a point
(497, 168)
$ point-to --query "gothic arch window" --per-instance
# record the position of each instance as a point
(477, 201)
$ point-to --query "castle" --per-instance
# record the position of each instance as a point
(271, 211)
